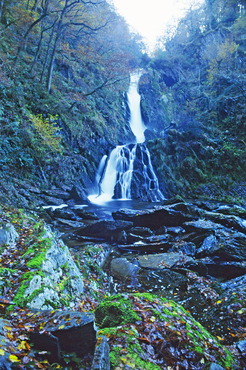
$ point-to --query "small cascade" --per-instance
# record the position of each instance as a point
(127, 173)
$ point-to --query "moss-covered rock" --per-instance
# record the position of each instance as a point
(146, 332)
(36, 267)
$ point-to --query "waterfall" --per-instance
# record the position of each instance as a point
(136, 122)
(127, 173)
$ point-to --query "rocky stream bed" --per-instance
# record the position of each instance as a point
(160, 288)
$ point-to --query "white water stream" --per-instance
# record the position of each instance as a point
(114, 173)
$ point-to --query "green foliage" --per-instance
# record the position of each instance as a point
(47, 133)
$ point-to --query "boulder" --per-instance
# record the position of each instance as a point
(224, 270)
(225, 244)
(78, 194)
(68, 331)
(108, 230)
(154, 218)
(47, 200)
(123, 269)
(64, 213)
(201, 226)
(8, 236)
(163, 260)
(159, 327)
(208, 247)
(187, 248)
(229, 221)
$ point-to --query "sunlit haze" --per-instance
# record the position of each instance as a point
(150, 18)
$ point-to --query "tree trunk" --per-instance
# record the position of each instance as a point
(47, 55)
(51, 66)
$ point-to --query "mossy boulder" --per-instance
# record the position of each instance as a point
(148, 332)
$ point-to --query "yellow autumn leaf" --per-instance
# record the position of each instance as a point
(8, 328)
(23, 345)
(218, 302)
(152, 319)
(13, 358)
(61, 327)
(2, 352)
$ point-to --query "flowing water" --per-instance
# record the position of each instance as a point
(114, 177)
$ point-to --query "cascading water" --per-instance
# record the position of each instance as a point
(127, 173)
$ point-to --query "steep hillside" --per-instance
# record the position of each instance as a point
(194, 101)
(64, 72)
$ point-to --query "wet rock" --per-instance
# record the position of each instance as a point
(121, 268)
(201, 226)
(141, 231)
(57, 193)
(78, 193)
(163, 260)
(229, 221)
(154, 219)
(67, 224)
(69, 331)
(175, 230)
(225, 244)
(187, 248)
(238, 283)
(224, 270)
(64, 213)
(3, 237)
(142, 247)
(85, 215)
(160, 281)
(101, 359)
(208, 247)
(108, 230)
(232, 210)
(47, 200)
(242, 347)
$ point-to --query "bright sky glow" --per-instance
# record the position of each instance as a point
(150, 17)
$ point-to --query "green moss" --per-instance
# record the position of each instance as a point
(36, 262)
(19, 299)
(111, 314)
(4, 271)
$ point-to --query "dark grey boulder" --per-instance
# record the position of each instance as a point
(154, 218)
(187, 248)
(64, 213)
(229, 221)
(224, 270)
(68, 331)
(123, 269)
(201, 226)
(208, 247)
(109, 230)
